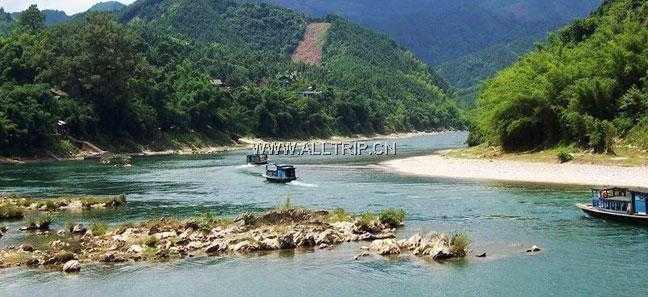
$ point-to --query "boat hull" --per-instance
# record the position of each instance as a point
(280, 180)
(611, 215)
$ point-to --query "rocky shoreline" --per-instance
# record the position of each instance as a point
(14, 207)
(282, 229)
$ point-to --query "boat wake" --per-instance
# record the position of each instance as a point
(302, 184)
(245, 166)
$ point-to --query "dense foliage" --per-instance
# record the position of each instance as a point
(160, 70)
(474, 37)
(586, 86)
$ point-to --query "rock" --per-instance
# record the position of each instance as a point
(194, 245)
(79, 229)
(363, 254)
(244, 246)
(72, 266)
(57, 244)
(3, 229)
(136, 249)
(533, 249)
(112, 258)
(216, 247)
(324, 246)
(164, 235)
(385, 247)
(412, 242)
(269, 244)
(26, 247)
(60, 232)
(435, 245)
(482, 255)
(328, 237)
(372, 236)
(286, 241)
(61, 257)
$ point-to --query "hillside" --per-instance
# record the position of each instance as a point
(585, 87)
(109, 6)
(309, 50)
(177, 72)
(456, 32)
(6, 21)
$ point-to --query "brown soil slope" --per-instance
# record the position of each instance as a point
(309, 50)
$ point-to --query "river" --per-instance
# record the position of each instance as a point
(580, 256)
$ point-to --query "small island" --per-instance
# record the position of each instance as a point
(165, 239)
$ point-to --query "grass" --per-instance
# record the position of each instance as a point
(99, 228)
(340, 215)
(208, 221)
(39, 221)
(459, 244)
(392, 217)
(10, 212)
(624, 155)
(51, 204)
(366, 220)
(16, 258)
(564, 155)
(150, 241)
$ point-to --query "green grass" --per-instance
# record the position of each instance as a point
(392, 217)
(459, 244)
(340, 215)
(40, 221)
(99, 228)
(564, 155)
(10, 212)
(366, 220)
(150, 241)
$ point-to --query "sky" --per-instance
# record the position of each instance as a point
(69, 6)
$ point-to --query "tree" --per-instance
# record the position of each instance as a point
(31, 20)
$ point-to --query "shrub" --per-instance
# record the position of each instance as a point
(340, 215)
(392, 217)
(40, 221)
(151, 241)
(10, 212)
(459, 243)
(98, 228)
(639, 134)
(564, 155)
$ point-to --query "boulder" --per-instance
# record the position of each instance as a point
(269, 244)
(26, 247)
(328, 237)
(79, 229)
(286, 241)
(135, 249)
(385, 247)
(61, 257)
(244, 246)
(216, 247)
(534, 249)
(194, 245)
(72, 266)
(163, 235)
(412, 242)
(482, 255)
(112, 258)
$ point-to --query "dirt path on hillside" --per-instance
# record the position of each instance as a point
(309, 50)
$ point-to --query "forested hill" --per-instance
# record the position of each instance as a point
(586, 86)
(470, 39)
(173, 72)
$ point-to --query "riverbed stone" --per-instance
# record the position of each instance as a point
(216, 247)
(79, 229)
(136, 248)
(385, 247)
(72, 266)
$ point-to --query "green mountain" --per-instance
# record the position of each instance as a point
(586, 86)
(470, 39)
(109, 6)
(179, 71)
(6, 21)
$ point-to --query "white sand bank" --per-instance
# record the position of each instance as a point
(438, 165)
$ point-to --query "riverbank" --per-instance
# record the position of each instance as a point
(89, 151)
(443, 164)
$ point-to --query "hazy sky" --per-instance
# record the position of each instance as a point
(69, 6)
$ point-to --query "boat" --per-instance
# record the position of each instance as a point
(618, 204)
(257, 159)
(280, 173)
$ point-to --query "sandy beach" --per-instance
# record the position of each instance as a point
(438, 165)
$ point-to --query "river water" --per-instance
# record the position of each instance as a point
(580, 256)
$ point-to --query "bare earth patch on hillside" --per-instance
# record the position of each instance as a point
(309, 50)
